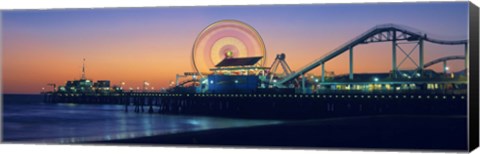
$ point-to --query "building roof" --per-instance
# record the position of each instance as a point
(238, 61)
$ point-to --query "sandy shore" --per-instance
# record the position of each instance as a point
(386, 132)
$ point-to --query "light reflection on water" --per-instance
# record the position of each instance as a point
(32, 121)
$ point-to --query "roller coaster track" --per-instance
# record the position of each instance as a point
(433, 62)
(379, 33)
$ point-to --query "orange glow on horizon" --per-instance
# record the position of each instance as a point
(29, 72)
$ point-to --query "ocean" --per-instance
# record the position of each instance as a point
(26, 118)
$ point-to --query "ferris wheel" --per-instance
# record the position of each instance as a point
(226, 39)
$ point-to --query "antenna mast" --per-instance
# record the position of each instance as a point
(83, 70)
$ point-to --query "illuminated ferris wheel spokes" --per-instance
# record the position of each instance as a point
(226, 39)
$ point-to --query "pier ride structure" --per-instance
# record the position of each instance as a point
(419, 78)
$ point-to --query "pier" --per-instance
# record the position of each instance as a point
(242, 86)
(289, 106)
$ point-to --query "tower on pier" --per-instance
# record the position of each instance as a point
(83, 70)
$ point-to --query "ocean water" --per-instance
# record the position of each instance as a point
(27, 119)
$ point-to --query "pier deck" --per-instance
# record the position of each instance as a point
(283, 106)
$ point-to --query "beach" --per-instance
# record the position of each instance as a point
(386, 132)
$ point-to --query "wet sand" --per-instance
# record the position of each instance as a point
(385, 132)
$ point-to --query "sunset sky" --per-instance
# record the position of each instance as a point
(154, 44)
